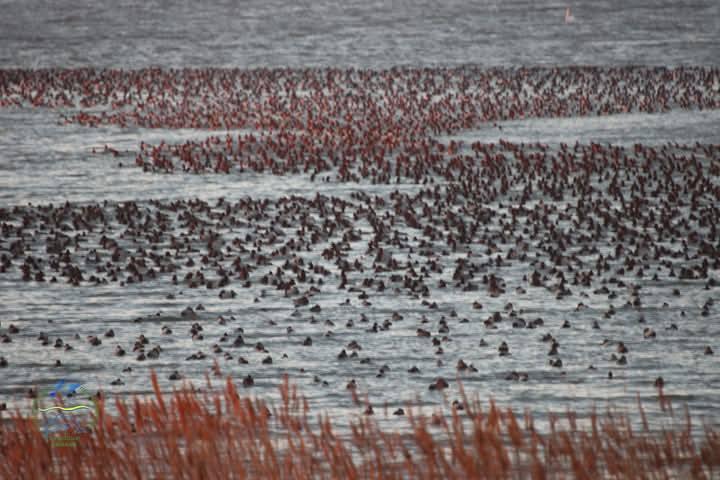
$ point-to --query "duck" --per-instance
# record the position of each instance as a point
(439, 384)
(196, 356)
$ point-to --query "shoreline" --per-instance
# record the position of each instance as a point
(182, 432)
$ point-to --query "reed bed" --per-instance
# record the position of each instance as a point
(220, 433)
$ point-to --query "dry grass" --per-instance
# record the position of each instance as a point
(222, 434)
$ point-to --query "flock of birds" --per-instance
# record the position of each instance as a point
(484, 223)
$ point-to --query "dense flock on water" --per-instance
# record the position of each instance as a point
(540, 266)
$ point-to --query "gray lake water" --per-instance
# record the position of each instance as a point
(377, 34)
(43, 162)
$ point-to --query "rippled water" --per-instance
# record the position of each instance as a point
(71, 172)
(369, 34)
(44, 162)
